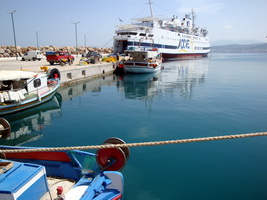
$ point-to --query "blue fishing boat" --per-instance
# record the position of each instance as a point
(66, 174)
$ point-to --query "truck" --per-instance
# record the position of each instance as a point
(32, 55)
(61, 57)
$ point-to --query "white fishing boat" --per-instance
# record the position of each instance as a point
(142, 60)
(20, 90)
(175, 38)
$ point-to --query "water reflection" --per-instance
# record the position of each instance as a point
(177, 78)
(139, 86)
(79, 89)
(180, 77)
(27, 125)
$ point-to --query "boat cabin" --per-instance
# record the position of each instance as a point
(142, 54)
(14, 85)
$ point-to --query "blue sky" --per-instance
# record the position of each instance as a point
(225, 20)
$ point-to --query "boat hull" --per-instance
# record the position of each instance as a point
(12, 108)
(140, 69)
(90, 182)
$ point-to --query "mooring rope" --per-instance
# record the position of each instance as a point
(140, 144)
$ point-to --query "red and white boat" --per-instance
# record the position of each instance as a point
(142, 60)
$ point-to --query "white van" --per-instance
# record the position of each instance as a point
(32, 55)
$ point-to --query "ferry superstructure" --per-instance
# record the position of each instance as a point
(174, 38)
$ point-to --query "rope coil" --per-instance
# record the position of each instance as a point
(106, 146)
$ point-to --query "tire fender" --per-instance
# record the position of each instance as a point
(51, 73)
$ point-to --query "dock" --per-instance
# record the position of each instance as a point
(69, 73)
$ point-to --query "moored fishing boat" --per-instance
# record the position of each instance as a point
(142, 60)
(66, 174)
(22, 89)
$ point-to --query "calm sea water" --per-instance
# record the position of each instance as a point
(220, 95)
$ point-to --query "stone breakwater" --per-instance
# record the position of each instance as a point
(10, 51)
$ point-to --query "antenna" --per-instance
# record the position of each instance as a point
(149, 2)
(193, 19)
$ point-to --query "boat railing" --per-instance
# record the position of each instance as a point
(51, 85)
(17, 95)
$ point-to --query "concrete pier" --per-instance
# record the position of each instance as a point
(79, 73)
(69, 73)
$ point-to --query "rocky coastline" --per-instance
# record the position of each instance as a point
(10, 51)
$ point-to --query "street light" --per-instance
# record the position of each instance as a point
(85, 42)
(11, 13)
(76, 36)
(37, 40)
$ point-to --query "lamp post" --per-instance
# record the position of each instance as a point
(85, 43)
(37, 40)
(76, 36)
(11, 13)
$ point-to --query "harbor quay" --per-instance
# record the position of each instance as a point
(69, 74)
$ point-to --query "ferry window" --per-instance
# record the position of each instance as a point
(142, 34)
(150, 35)
(127, 33)
(187, 24)
(36, 83)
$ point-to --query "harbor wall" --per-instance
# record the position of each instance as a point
(79, 73)
(69, 73)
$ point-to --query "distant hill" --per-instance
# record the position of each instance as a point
(241, 48)
(226, 42)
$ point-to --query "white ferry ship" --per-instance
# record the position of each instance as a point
(174, 38)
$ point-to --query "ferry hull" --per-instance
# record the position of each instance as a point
(167, 56)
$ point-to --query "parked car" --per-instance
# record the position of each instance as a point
(93, 54)
(61, 57)
(32, 55)
(93, 57)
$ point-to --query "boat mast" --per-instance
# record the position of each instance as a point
(149, 2)
(193, 20)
